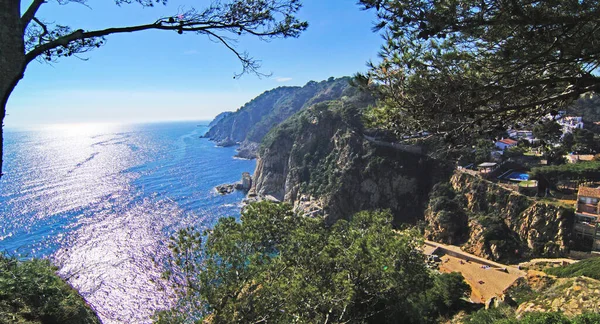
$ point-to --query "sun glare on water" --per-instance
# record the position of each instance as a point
(80, 129)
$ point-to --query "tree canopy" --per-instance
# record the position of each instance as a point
(276, 266)
(31, 292)
(457, 66)
(582, 172)
(27, 36)
(547, 131)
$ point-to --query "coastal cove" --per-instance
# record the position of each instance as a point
(100, 201)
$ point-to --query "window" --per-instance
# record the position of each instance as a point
(588, 200)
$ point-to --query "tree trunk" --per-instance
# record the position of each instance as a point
(12, 56)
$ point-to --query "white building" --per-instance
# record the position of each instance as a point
(569, 124)
(525, 135)
(505, 143)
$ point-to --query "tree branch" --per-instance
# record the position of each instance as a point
(30, 13)
(160, 24)
(44, 29)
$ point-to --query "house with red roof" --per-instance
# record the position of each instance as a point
(505, 143)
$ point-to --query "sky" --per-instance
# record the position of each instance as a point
(162, 76)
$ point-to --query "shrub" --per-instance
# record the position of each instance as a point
(589, 268)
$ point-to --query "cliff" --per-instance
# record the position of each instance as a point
(249, 124)
(320, 161)
(218, 118)
(496, 223)
(570, 296)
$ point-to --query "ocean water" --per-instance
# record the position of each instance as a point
(100, 201)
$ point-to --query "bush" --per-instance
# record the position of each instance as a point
(587, 318)
(589, 268)
(506, 315)
(490, 316)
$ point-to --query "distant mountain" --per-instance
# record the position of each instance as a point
(249, 124)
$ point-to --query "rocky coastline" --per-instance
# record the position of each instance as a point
(243, 185)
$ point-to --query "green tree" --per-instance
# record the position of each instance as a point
(455, 67)
(27, 36)
(276, 266)
(585, 141)
(31, 292)
(548, 131)
(568, 141)
(587, 318)
(544, 318)
(514, 151)
(554, 155)
(483, 150)
(506, 315)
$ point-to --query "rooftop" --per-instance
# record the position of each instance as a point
(588, 192)
(580, 157)
(508, 141)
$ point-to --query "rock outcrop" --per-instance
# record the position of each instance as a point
(247, 150)
(225, 189)
(246, 182)
(244, 185)
(320, 161)
(249, 124)
(502, 224)
(570, 296)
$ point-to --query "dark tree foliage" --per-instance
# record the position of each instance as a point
(505, 315)
(547, 131)
(274, 266)
(587, 107)
(31, 292)
(27, 36)
(582, 172)
(461, 66)
(585, 141)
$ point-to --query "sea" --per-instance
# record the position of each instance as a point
(101, 201)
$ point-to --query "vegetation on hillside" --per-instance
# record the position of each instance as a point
(317, 161)
(582, 172)
(31, 292)
(589, 268)
(275, 266)
(506, 315)
(587, 107)
(257, 117)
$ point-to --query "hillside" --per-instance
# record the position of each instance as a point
(589, 268)
(249, 124)
(320, 161)
(496, 223)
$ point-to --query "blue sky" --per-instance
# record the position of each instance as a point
(160, 75)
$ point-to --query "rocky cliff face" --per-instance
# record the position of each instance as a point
(570, 296)
(219, 117)
(249, 124)
(319, 161)
(503, 224)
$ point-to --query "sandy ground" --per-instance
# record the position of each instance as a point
(428, 249)
(485, 283)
